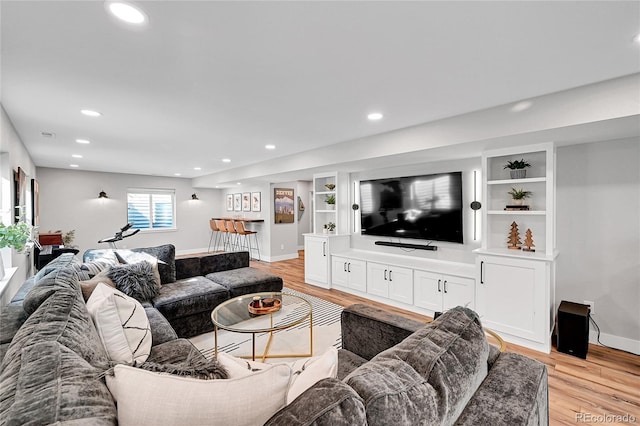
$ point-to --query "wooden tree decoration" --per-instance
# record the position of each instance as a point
(514, 237)
(528, 241)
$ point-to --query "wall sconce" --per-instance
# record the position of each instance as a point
(194, 196)
(102, 194)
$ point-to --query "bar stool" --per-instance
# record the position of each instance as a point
(224, 234)
(243, 232)
(214, 231)
(233, 235)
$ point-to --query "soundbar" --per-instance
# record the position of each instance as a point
(405, 245)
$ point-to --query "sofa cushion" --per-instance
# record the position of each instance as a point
(189, 296)
(329, 402)
(161, 330)
(59, 276)
(429, 377)
(145, 397)
(179, 351)
(223, 262)
(62, 261)
(136, 280)
(187, 267)
(122, 325)
(166, 254)
(347, 362)
(87, 287)
(128, 257)
(246, 280)
(55, 385)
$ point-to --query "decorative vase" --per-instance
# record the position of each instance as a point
(518, 202)
(331, 206)
(518, 173)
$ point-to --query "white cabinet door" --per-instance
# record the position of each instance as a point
(339, 273)
(511, 296)
(378, 279)
(357, 271)
(400, 284)
(316, 261)
(457, 291)
(427, 288)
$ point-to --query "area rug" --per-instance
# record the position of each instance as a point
(326, 333)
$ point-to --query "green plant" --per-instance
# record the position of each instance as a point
(330, 186)
(517, 164)
(519, 194)
(330, 199)
(330, 226)
(15, 236)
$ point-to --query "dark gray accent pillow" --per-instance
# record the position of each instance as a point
(135, 280)
(205, 370)
(167, 254)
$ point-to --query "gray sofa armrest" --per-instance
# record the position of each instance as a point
(161, 330)
(515, 392)
(367, 331)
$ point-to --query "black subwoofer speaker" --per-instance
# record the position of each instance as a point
(573, 329)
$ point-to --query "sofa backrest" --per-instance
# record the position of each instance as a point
(429, 377)
(187, 267)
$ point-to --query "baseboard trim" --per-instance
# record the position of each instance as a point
(279, 258)
(616, 342)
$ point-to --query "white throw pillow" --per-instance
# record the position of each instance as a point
(122, 325)
(149, 398)
(306, 372)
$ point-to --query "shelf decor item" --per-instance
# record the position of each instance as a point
(330, 186)
(330, 200)
(518, 168)
(514, 237)
(528, 241)
(519, 195)
(329, 228)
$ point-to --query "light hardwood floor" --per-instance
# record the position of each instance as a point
(605, 385)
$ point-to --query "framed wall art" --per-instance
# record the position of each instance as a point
(229, 202)
(283, 205)
(237, 202)
(246, 201)
(256, 201)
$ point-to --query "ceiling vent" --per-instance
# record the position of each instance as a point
(48, 134)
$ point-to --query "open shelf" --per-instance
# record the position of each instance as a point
(516, 181)
(519, 212)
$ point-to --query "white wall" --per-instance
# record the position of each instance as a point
(304, 189)
(13, 154)
(598, 235)
(69, 200)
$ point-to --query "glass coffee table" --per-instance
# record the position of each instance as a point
(233, 315)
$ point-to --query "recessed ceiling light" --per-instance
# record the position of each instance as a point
(637, 39)
(521, 106)
(83, 141)
(197, 168)
(374, 116)
(127, 12)
(90, 113)
(73, 165)
(76, 155)
(48, 134)
(239, 183)
(226, 160)
(270, 146)
(177, 174)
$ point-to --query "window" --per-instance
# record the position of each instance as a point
(151, 208)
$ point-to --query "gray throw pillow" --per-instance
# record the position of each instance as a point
(135, 280)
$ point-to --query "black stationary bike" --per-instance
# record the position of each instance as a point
(120, 235)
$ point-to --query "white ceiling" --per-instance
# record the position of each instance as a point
(208, 80)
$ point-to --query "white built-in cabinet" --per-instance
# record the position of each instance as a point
(391, 282)
(515, 288)
(350, 273)
(440, 292)
(317, 257)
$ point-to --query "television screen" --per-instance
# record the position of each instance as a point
(425, 207)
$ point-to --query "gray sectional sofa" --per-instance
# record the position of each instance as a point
(392, 371)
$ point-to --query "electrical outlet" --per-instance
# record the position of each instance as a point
(591, 305)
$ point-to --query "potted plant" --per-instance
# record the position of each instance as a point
(518, 168)
(519, 195)
(330, 200)
(330, 186)
(15, 236)
(331, 227)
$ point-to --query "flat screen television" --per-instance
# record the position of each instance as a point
(427, 207)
